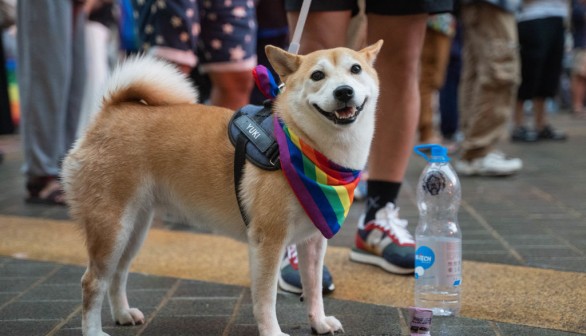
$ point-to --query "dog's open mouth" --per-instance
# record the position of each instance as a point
(344, 115)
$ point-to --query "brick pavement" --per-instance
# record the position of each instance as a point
(40, 298)
(535, 219)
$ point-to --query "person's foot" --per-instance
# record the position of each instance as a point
(493, 164)
(549, 133)
(290, 279)
(579, 113)
(523, 134)
(385, 242)
(45, 190)
(451, 145)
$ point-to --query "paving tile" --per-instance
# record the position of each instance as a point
(186, 326)
(16, 284)
(370, 323)
(531, 239)
(59, 292)
(480, 246)
(26, 269)
(252, 330)
(203, 289)
(66, 275)
(5, 297)
(40, 310)
(148, 298)
(26, 327)
(145, 281)
(547, 251)
(571, 264)
(520, 330)
(457, 331)
(71, 332)
(476, 234)
(199, 307)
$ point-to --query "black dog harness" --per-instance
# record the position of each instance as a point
(251, 132)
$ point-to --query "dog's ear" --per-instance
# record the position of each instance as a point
(372, 51)
(283, 62)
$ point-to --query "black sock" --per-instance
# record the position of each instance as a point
(379, 194)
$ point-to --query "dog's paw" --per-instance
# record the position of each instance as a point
(327, 325)
(131, 316)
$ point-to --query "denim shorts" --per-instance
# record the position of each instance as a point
(381, 7)
(218, 35)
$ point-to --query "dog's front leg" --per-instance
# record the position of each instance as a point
(265, 254)
(311, 259)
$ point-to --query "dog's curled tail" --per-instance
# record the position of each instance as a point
(148, 80)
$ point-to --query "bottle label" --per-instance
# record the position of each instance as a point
(424, 258)
(438, 262)
(434, 182)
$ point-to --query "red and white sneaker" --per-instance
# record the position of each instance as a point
(385, 242)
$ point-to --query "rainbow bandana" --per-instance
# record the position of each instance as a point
(324, 188)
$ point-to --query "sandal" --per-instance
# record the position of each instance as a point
(45, 190)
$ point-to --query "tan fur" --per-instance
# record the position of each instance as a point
(152, 146)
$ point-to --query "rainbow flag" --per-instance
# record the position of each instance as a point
(324, 188)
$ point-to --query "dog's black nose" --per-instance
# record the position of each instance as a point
(344, 93)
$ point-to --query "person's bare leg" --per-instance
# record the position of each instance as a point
(231, 89)
(322, 30)
(519, 115)
(539, 113)
(398, 110)
(578, 86)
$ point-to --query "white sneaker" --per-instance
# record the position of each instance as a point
(493, 164)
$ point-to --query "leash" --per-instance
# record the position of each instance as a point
(294, 45)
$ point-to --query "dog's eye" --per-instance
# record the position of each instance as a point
(317, 75)
(355, 69)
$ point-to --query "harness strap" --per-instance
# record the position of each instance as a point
(251, 132)
(239, 160)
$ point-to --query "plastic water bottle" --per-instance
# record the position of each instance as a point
(438, 256)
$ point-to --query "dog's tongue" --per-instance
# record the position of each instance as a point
(345, 112)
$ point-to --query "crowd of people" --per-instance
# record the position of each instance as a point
(481, 63)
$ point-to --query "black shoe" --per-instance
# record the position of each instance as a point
(522, 134)
(549, 133)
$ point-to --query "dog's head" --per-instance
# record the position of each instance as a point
(330, 98)
(337, 84)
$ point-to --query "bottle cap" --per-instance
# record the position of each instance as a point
(438, 153)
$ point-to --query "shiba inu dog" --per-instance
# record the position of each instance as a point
(152, 145)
